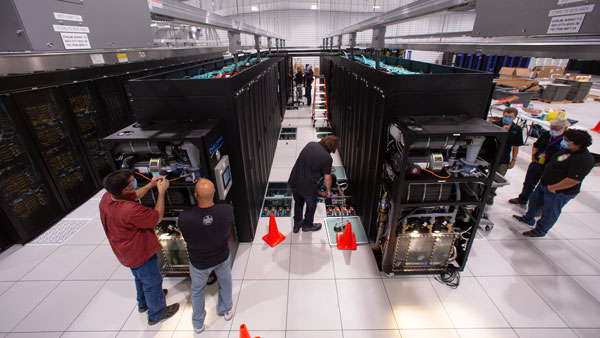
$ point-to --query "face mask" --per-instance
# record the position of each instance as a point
(134, 184)
(555, 133)
(507, 120)
(564, 144)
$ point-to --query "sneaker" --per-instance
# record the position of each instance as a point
(315, 227)
(144, 308)
(532, 233)
(200, 330)
(516, 201)
(521, 219)
(296, 230)
(297, 226)
(169, 312)
(227, 315)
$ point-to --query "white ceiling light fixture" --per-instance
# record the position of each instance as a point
(376, 7)
(254, 8)
(314, 6)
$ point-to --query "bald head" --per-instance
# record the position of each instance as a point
(204, 190)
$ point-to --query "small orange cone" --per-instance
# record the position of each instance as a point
(596, 128)
(274, 237)
(244, 332)
(346, 240)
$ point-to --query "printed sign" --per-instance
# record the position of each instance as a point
(68, 17)
(75, 41)
(122, 57)
(571, 10)
(562, 2)
(565, 24)
(97, 59)
(155, 3)
(71, 29)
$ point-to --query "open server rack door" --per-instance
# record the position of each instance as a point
(364, 102)
(56, 136)
(28, 197)
(249, 103)
(183, 154)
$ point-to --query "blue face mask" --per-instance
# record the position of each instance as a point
(134, 184)
(507, 120)
(555, 133)
(564, 144)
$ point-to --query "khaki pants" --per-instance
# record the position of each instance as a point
(502, 169)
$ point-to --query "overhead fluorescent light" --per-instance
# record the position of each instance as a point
(314, 6)
(376, 7)
(254, 8)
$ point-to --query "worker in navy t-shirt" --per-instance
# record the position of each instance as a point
(206, 229)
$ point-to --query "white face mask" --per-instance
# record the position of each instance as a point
(555, 133)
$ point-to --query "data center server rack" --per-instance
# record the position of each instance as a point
(52, 157)
(183, 154)
(364, 102)
(251, 105)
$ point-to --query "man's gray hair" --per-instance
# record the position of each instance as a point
(560, 123)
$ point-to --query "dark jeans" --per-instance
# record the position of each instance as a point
(148, 284)
(534, 173)
(311, 207)
(551, 205)
(307, 93)
(502, 169)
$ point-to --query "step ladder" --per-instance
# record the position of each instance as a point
(320, 111)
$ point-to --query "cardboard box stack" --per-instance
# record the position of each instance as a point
(515, 77)
(546, 72)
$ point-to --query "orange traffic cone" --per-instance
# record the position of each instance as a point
(347, 240)
(596, 128)
(244, 332)
(274, 237)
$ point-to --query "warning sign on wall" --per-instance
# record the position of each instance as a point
(75, 41)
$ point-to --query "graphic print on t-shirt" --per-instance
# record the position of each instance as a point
(207, 220)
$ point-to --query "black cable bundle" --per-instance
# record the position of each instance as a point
(450, 277)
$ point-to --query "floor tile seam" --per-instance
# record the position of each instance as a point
(81, 262)
(431, 280)
(494, 302)
(83, 309)
(585, 290)
(337, 292)
(39, 262)
(543, 256)
(539, 294)
(575, 247)
(287, 302)
(10, 286)
(387, 295)
(584, 252)
(38, 304)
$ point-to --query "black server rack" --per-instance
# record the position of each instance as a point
(89, 104)
(58, 141)
(251, 105)
(184, 154)
(365, 102)
(91, 124)
(29, 199)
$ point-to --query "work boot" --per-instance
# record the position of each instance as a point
(517, 201)
(169, 312)
(533, 234)
(145, 308)
(521, 219)
(315, 227)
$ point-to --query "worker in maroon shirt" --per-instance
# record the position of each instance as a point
(129, 227)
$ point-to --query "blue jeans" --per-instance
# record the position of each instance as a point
(148, 284)
(199, 278)
(311, 207)
(299, 92)
(534, 173)
(551, 205)
(307, 93)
